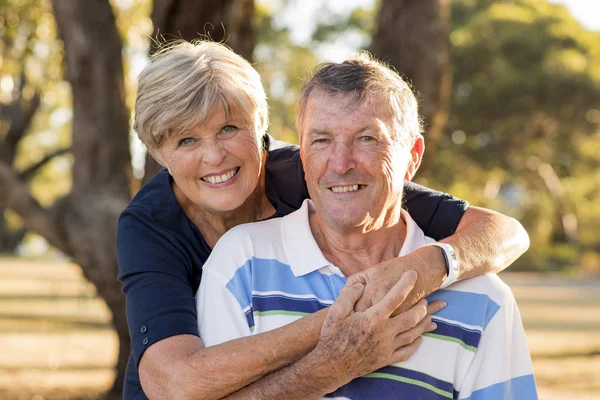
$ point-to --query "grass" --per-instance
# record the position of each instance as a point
(57, 342)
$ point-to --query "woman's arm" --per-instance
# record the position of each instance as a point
(350, 345)
(484, 242)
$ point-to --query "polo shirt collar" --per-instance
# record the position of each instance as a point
(305, 256)
(301, 249)
(415, 237)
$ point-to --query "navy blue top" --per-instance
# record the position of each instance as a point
(161, 252)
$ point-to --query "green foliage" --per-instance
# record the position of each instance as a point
(282, 65)
(525, 122)
(523, 135)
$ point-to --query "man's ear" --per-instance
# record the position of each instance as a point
(416, 155)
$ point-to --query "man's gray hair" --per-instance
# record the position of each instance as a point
(184, 82)
(365, 78)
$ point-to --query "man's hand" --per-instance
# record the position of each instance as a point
(359, 342)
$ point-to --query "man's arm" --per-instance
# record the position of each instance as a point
(485, 242)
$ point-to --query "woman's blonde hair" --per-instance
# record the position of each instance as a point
(184, 82)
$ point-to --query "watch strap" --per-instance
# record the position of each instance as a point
(451, 263)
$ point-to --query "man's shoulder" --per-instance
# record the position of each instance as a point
(253, 232)
(489, 285)
(474, 303)
(242, 244)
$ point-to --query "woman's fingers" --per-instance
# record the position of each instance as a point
(435, 306)
(344, 304)
(396, 295)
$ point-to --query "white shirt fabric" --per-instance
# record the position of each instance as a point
(264, 275)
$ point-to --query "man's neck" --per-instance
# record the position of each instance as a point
(356, 249)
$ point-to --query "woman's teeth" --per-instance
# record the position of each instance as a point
(220, 178)
(343, 189)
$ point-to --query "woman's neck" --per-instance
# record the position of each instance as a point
(214, 225)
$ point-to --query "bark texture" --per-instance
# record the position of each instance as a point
(83, 223)
(413, 36)
(227, 21)
(18, 113)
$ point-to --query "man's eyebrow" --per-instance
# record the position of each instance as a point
(317, 132)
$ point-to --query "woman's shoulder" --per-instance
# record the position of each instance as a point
(285, 174)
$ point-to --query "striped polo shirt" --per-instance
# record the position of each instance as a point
(264, 275)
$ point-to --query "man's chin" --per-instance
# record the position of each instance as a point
(342, 222)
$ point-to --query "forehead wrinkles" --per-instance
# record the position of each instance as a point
(357, 107)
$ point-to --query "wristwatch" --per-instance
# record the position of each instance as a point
(451, 263)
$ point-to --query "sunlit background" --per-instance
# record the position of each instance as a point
(522, 136)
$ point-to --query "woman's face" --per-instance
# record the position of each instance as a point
(217, 165)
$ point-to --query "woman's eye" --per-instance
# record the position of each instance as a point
(229, 130)
(186, 142)
(367, 138)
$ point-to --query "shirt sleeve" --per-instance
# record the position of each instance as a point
(221, 317)
(501, 368)
(156, 281)
(436, 213)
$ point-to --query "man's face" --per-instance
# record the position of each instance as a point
(355, 167)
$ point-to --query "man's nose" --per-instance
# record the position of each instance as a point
(341, 159)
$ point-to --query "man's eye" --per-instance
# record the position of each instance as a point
(367, 138)
(321, 141)
(186, 142)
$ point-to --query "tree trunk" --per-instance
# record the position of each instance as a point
(413, 36)
(227, 21)
(19, 113)
(83, 224)
(102, 167)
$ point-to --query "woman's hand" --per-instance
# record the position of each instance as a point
(485, 242)
(427, 262)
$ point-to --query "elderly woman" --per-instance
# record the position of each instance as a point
(201, 111)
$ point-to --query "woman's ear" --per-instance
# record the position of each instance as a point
(153, 151)
(416, 155)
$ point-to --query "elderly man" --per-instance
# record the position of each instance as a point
(360, 139)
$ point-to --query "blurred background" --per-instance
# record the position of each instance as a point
(509, 91)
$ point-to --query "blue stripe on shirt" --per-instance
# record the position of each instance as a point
(521, 388)
(469, 337)
(394, 382)
(266, 275)
(468, 308)
(274, 302)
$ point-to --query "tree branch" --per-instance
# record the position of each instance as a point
(15, 194)
(27, 174)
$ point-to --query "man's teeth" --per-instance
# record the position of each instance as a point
(343, 189)
(220, 178)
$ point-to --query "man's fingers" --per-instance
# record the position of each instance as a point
(344, 304)
(436, 306)
(396, 295)
(409, 336)
(410, 318)
(404, 353)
